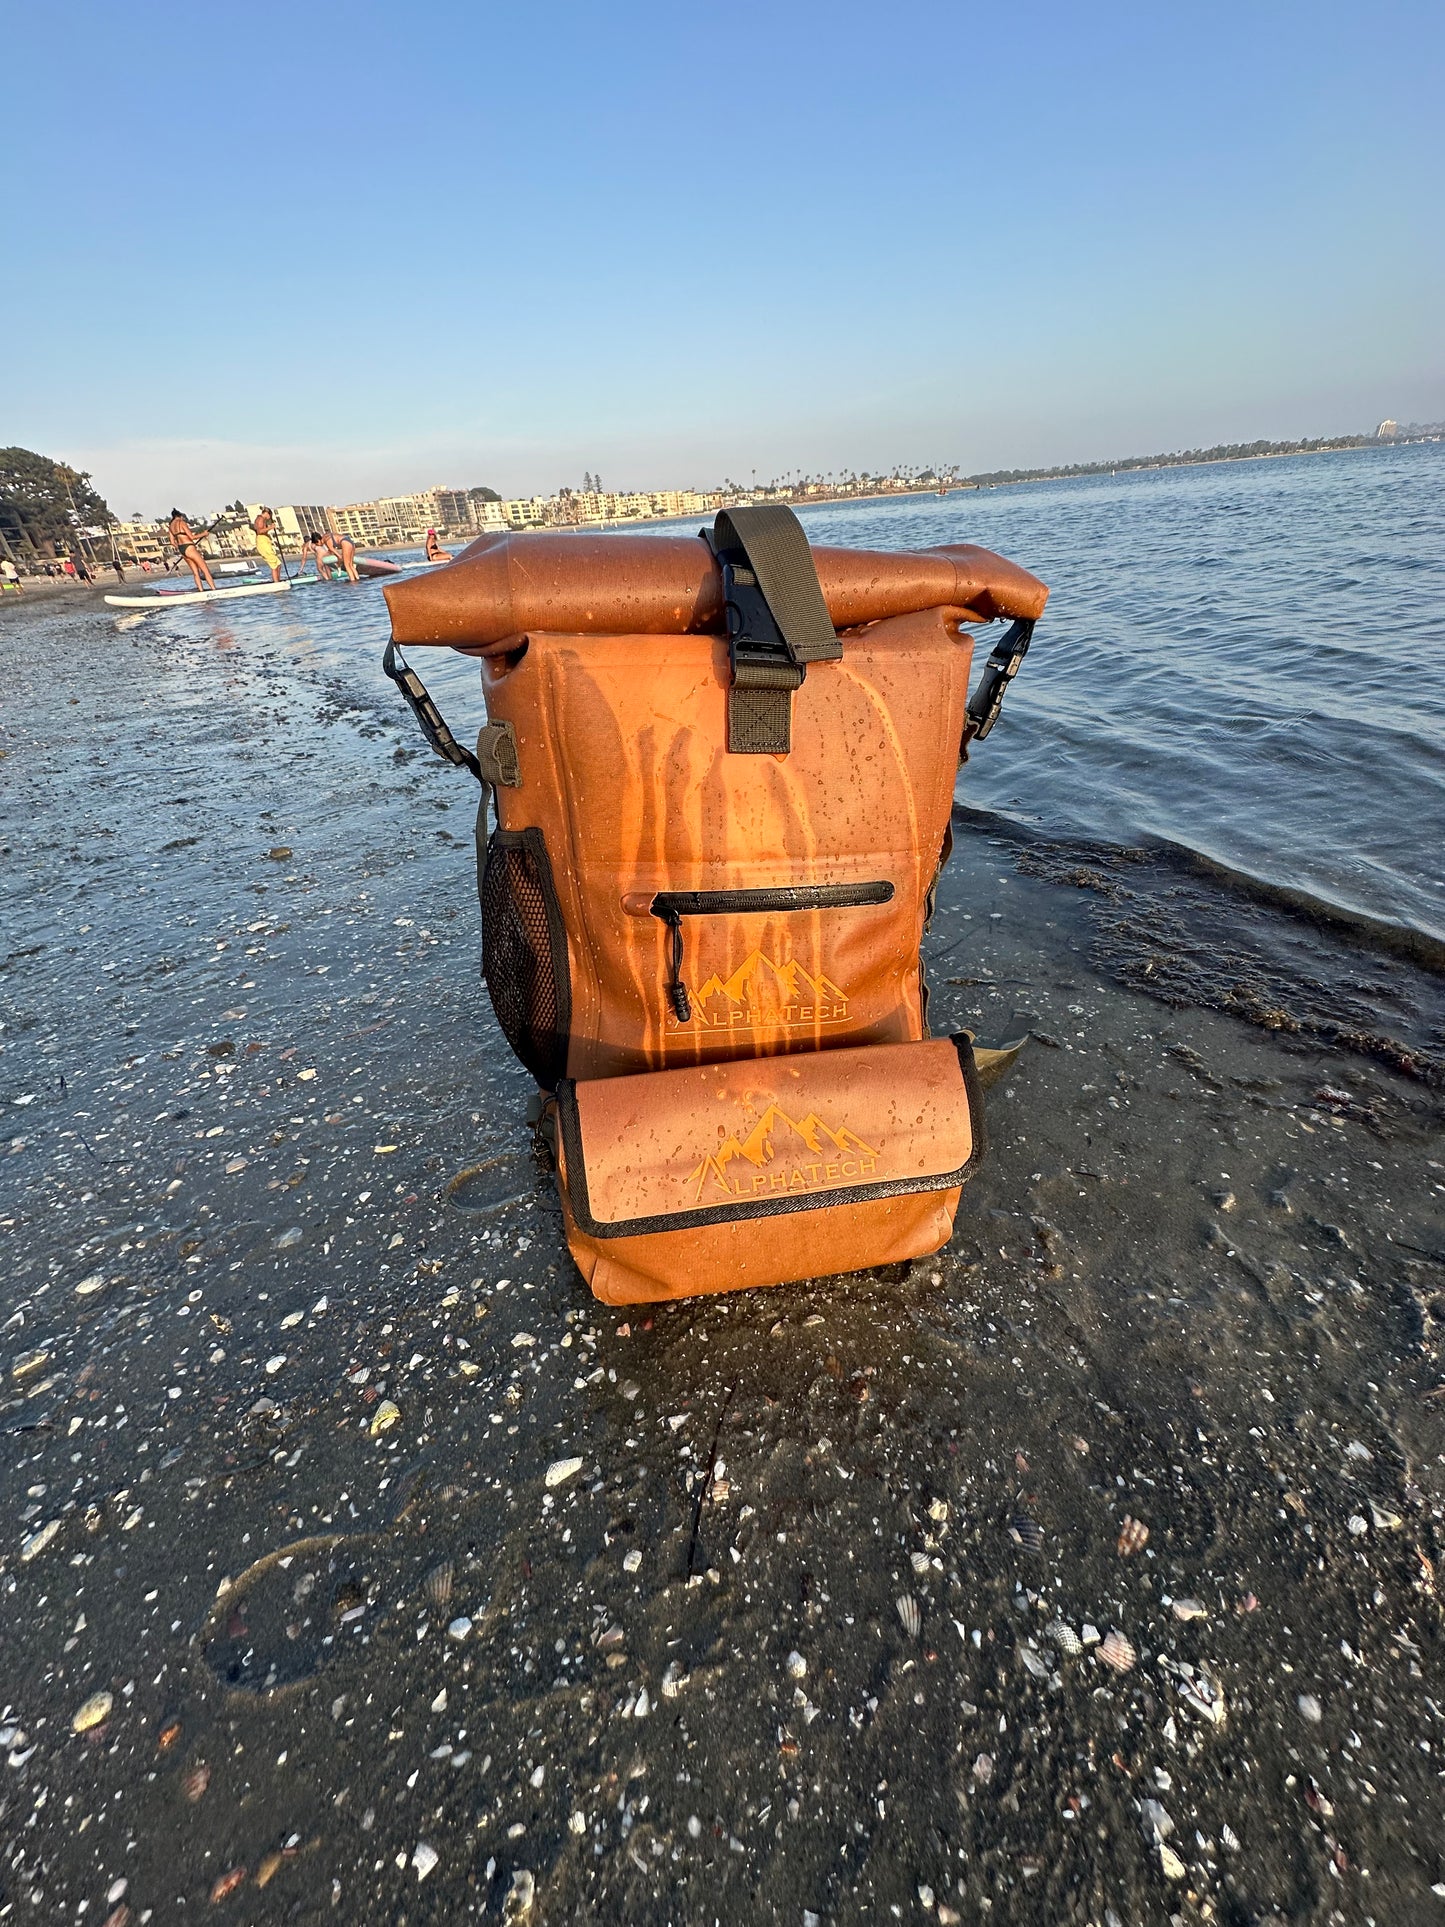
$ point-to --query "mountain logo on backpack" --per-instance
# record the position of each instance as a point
(763, 995)
(781, 1154)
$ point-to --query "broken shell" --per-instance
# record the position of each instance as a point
(268, 1869)
(1116, 1651)
(117, 1917)
(795, 1666)
(1189, 1609)
(227, 1883)
(920, 1563)
(910, 1614)
(1311, 1708)
(1027, 1533)
(168, 1735)
(938, 1510)
(1383, 1519)
(95, 1711)
(1032, 1662)
(384, 1417)
(560, 1470)
(195, 1781)
(1064, 1637)
(1171, 1865)
(1204, 1696)
(32, 1547)
(1133, 1537)
(437, 1586)
(521, 1894)
(423, 1858)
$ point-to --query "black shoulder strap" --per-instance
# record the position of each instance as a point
(777, 622)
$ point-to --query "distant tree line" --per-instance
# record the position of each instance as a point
(1182, 458)
(43, 502)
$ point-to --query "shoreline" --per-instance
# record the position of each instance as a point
(1191, 1287)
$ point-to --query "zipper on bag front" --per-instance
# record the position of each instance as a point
(671, 906)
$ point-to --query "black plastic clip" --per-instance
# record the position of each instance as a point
(429, 717)
(998, 672)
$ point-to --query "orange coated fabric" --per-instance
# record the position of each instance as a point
(504, 585)
(620, 749)
(758, 1171)
(711, 957)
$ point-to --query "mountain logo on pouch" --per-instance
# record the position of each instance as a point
(763, 995)
(783, 1155)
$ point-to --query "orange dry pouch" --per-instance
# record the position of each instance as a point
(720, 820)
(755, 1171)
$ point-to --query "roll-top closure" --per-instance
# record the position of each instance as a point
(625, 585)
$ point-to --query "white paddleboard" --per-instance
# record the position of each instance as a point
(168, 598)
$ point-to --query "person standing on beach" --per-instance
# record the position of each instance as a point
(9, 575)
(186, 544)
(265, 542)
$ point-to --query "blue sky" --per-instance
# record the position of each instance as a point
(318, 257)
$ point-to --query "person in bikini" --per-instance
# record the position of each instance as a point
(318, 546)
(186, 544)
(344, 550)
(266, 542)
(434, 550)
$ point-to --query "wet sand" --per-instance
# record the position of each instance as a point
(263, 1170)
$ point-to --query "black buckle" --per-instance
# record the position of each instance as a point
(429, 717)
(998, 672)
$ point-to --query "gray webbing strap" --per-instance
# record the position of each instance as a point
(777, 619)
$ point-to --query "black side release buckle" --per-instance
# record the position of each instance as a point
(998, 672)
(430, 718)
(777, 622)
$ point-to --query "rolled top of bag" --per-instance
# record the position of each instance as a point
(502, 585)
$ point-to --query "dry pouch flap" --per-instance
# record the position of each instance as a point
(763, 1137)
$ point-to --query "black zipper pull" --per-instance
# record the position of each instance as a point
(676, 988)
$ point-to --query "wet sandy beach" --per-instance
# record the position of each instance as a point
(1088, 1572)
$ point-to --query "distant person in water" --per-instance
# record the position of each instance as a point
(266, 544)
(343, 549)
(434, 550)
(186, 544)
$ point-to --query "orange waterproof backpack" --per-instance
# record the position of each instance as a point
(722, 774)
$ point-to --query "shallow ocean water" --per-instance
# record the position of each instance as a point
(1246, 660)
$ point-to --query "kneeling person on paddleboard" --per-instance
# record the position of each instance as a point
(186, 543)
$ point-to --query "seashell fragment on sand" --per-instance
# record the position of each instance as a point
(384, 1417)
(95, 1712)
(1027, 1533)
(1064, 1637)
(560, 1470)
(437, 1586)
(1117, 1652)
(1133, 1537)
(910, 1614)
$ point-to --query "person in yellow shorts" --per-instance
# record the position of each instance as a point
(265, 543)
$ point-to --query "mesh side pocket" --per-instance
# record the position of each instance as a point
(524, 952)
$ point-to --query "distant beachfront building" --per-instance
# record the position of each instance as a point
(488, 518)
(453, 509)
(358, 522)
(139, 541)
